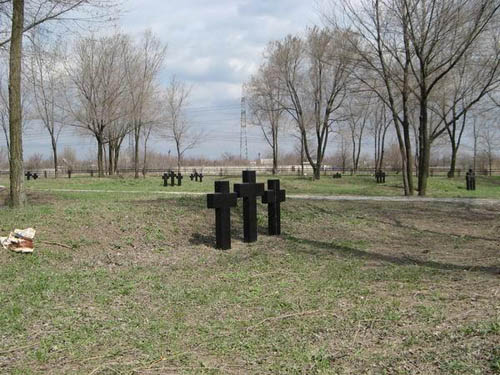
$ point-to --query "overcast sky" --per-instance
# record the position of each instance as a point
(215, 46)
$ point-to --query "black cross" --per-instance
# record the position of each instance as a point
(179, 179)
(191, 176)
(222, 201)
(196, 176)
(249, 190)
(165, 179)
(201, 177)
(273, 198)
(172, 177)
(28, 175)
(35, 176)
(470, 180)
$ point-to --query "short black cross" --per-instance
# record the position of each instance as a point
(222, 201)
(179, 179)
(470, 180)
(172, 177)
(28, 175)
(69, 173)
(273, 198)
(196, 175)
(201, 177)
(165, 179)
(35, 176)
(249, 190)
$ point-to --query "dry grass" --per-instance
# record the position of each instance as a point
(349, 288)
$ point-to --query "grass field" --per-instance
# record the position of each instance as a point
(487, 187)
(349, 288)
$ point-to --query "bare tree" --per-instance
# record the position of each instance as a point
(4, 110)
(47, 97)
(143, 65)
(177, 125)
(314, 73)
(380, 124)
(411, 46)
(97, 74)
(265, 102)
(14, 21)
(359, 113)
(474, 78)
(17, 196)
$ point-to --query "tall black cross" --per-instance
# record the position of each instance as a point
(201, 177)
(196, 176)
(172, 177)
(222, 201)
(273, 198)
(165, 179)
(249, 190)
(179, 179)
(28, 175)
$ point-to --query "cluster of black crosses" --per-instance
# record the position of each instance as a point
(470, 180)
(198, 177)
(380, 176)
(222, 201)
(30, 175)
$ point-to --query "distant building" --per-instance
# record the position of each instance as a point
(266, 161)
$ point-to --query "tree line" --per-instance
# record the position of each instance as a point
(425, 69)
(104, 86)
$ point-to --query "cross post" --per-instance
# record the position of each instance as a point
(172, 177)
(249, 190)
(179, 179)
(222, 201)
(273, 198)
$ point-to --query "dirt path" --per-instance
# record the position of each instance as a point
(471, 201)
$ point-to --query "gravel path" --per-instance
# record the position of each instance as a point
(471, 201)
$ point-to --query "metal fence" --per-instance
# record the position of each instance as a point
(288, 170)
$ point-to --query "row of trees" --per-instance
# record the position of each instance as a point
(424, 68)
(107, 87)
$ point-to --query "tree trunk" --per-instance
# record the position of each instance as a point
(17, 195)
(408, 160)
(424, 147)
(453, 162)
(111, 151)
(144, 165)
(54, 154)
(301, 156)
(275, 155)
(116, 157)
(137, 136)
(100, 161)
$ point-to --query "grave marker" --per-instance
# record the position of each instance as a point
(179, 179)
(380, 177)
(222, 201)
(273, 198)
(165, 179)
(172, 177)
(249, 190)
(470, 180)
